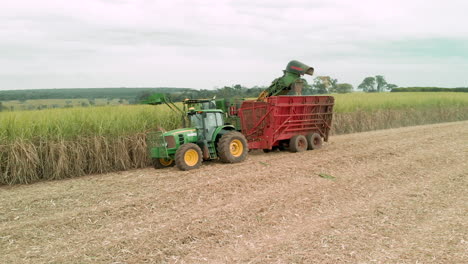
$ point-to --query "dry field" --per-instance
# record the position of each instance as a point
(389, 196)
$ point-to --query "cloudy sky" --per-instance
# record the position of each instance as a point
(206, 44)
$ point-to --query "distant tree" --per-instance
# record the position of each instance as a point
(333, 83)
(381, 83)
(226, 92)
(375, 84)
(343, 88)
(368, 85)
(307, 89)
(254, 91)
(324, 84)
(391, 86)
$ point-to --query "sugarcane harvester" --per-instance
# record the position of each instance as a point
(291, 80)
(226, 129)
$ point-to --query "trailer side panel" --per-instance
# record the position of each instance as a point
(266, 124)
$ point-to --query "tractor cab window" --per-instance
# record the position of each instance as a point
(212, 121)
(196, 120)
(206, 123)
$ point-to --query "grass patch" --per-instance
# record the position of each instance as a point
(326, 176)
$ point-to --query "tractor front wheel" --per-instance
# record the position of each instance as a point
(314, 141)
(188, 157)
(298, 143)
(232, 147)
(160, 163)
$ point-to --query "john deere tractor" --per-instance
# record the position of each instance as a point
(207, 137)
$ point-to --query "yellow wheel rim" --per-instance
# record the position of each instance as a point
(165, 162)
(236, 148)
(191, 157)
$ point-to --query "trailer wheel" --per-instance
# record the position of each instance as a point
(232, 147)
(314, 141)
(298, 143)
(160, 163)
(188, 157)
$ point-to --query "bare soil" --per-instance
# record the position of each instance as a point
(389, 196)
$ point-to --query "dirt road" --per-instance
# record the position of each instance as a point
(390, 196)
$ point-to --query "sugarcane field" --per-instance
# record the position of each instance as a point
(233, 132)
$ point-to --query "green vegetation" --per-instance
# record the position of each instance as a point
(63, 143)
(326, 176)
(345, 103)
(129, 119)
(71, 123)
(430, 89)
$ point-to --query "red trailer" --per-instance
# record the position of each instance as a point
(297, 122)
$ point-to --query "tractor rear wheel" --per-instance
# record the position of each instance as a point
(188, 157)
(160, 163)
(298, 143)
(314, 141)
(232, 147)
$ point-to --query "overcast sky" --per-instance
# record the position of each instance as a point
(207, 44)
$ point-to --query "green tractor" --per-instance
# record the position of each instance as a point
(206, 137)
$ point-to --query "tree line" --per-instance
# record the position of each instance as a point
(320, 85)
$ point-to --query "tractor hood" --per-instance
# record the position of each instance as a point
(180, 131)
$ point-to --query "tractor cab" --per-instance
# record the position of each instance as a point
(206, 122)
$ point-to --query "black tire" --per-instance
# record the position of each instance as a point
(298, 143)
(188, 157)
(267, 150)
(314, 141)
(161, 163)
(232, 147)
